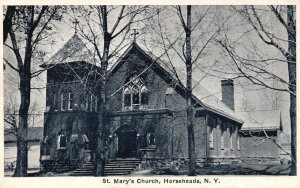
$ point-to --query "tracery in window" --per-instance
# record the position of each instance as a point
(135, 94)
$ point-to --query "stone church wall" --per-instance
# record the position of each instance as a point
(172, 141)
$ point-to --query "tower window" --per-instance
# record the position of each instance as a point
(70, 101)
(54, 101)
(91, 103)
(63, 101)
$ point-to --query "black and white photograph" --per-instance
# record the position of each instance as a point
(132, 92)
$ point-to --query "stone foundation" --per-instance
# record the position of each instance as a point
(58, 166)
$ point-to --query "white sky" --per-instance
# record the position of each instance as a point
(257, 98)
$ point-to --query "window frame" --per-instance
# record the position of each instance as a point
(211, 137)
(55, 103)
(64, 102)
(70, 101)
(129, 96)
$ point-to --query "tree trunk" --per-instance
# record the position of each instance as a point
(293, 102)
(189, 111)
(102, 129)
(22, 153)
(291, 57)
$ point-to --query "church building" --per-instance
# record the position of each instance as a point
(146, 110)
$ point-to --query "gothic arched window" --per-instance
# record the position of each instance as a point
(135, 94)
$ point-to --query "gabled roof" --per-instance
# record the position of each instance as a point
(206, 99)
(74, 50)
(34, 134)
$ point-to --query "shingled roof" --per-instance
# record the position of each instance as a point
(200, 93)
(74, 50)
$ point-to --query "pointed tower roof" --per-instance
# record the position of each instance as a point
(74, 50)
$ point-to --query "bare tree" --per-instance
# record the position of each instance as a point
(196, 31)
(29, 26)
(107, 33)
(254, 66)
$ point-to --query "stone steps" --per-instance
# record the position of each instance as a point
(118, 167)
(121, 166)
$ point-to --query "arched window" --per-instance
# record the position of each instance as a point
(144, 97)
(127, 98)
(62, 140)
(150, 136)
(135, 94)
(135, 98)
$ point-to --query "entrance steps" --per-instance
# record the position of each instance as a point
(117, 167)
(87, 169)
(121, 166)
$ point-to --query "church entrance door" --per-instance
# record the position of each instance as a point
(126, 142)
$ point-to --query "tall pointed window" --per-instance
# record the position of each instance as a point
(64, 101)
(135, 98)
(211, 137)
(55, 102)
(144, 97)
(232, 129)
(127, 98)
(135, 94)
(70, 101)
(223, 130)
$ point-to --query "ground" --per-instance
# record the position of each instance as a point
(222, 169)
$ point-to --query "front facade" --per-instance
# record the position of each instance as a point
(146, 114)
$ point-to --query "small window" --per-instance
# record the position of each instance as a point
(63, 101)
(231, 136)
(127, 98)
(223, 129)
(150, 138)
(54, 102)
(211, 137)
(144, 96)
(62, 141)
(91, 103)
(70, 101)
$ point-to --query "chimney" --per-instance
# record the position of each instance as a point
(228, 93)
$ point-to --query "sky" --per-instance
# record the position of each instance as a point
(257, 98)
